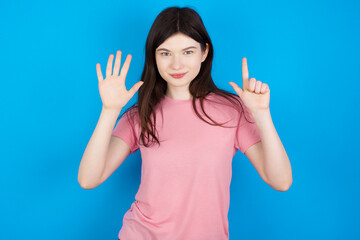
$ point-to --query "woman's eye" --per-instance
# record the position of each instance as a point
(167, 54)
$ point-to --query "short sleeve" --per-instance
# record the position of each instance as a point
(125, 130)
(247, 133)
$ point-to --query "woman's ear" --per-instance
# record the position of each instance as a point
(205, 53)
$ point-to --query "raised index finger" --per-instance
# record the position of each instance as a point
(245, 74)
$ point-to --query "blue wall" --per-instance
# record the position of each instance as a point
(307, 52)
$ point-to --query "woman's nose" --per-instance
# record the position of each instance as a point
(177, 62)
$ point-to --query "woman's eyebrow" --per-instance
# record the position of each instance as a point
(169, 50)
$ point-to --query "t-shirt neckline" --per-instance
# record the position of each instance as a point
(169, 99)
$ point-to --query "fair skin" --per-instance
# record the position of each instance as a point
(105, 153)
(179, 54)
(268, 156)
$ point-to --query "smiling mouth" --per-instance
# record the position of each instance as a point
(178, 75)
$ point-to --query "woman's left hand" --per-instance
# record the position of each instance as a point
(255, 94)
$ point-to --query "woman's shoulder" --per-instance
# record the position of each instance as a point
(132, 114)
(231, 105)
(231, 101)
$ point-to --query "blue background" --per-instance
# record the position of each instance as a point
(307, 52)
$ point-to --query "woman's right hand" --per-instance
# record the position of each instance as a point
(113, 93)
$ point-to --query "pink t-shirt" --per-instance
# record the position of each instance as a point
(184, 192)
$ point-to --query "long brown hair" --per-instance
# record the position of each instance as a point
(170, 21)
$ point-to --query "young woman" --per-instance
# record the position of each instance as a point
(187, 130)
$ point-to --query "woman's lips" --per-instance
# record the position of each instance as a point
(178, 75)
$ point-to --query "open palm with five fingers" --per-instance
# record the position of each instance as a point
(112, 90)
(255, 94)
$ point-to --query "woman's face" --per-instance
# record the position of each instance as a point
(179, 54)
